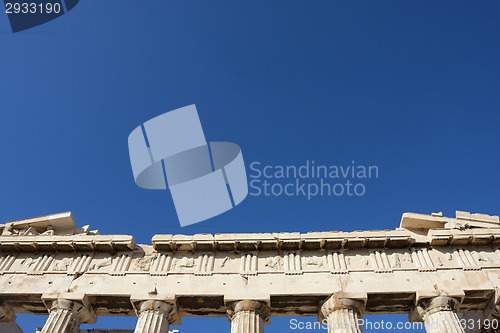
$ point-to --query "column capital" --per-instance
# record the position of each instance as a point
(7, 315)
(427, 306)
(76, 303)
(342, 300)
(260, 307)
(160, 303)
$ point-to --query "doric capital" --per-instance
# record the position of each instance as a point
(258, 306)
(341, 300)
(7, 315)
(163, 304)
(154, 306)
(427, 306)
(77, 304)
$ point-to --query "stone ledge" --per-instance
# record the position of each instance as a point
(283, 241)
(325, 240)
(67, 243)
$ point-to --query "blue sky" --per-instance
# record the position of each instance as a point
(411, 87)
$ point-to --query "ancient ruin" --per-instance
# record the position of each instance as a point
(435, 269)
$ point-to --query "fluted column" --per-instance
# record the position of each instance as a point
(8, 319)
(439, 314)
(247, 316)
(342, 315)
(154, 316)
(66, 315)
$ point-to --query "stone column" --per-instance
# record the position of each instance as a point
(248, 316)
(342, 314)
(66, 315)
(8, 319)
(154, 316)
(439, 314)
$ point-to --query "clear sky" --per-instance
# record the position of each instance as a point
(412, 87)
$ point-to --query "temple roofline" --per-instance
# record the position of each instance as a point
(58, 232)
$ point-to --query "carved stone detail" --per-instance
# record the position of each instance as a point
(439, 314)
(313, 263)
(336, 262)
(161, 264)
(205, 264)
(225, 261)
(396, 260)
(248, 264)
(202, 271)
(380, 261)
(121, 265)
(66, 316)
(184, 264)
(247, 316)
(422, 260)
(341, 314)
(143, 263)
(273, 262)
(466, 260)
(154, 316)
(292, 263)
(41, 264)
(63, 264)
(6, 262)
(97, 264)
(81, 264)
